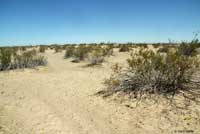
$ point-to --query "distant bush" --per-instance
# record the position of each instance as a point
(108, 50)
(69, 52)
(94, 53)
(144, 45)
(189, 49)
(58, 49)
(23, 48)
(9, 59)
(81, 52)
(42, 49)
(29, 59)
(5, 58)
(96, 57)
(163, 49)
(151, 73)
(124, 48)
(157, 45)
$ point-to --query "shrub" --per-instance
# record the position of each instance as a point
(9, 59)
(69, 52)
(42, 49)
(163, 49)
(96, 57)
(29, 59)
(151, 73)
(23, 48)
(5, 58)
(156, 45)
(189, 49)
(108, 50)
(57, 49)
(81, 52)
(93, 52)
(143, 45)
(124, 48)
(51, 47)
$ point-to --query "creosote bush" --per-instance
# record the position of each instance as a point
(163, 49)
(156, 45)
(124, 48)
(23, 48)
(42, 49)
(150, 73)
(94, 53)
(96, 56)
(10, 59)
(81, 52)
(108, 50)
(69, 51)
(5, 58)
(58, 49)
(189, 49)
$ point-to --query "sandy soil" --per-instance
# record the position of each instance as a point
(59, 99)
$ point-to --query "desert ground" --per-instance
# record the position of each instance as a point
(60, 99)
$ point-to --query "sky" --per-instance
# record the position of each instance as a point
(31, 22)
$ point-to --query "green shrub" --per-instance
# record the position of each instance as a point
(23, 48)
(29, 59)
(5, 58)
(96, 57)
(93, 52)
(57, 49)
(124, 48)
(151, 73)
(10, 59)
(81, 52)
(189, 49)
(143, 45)
(157, 45)
(42, 49)
(108, 50)
(163, 49)
(69, 52)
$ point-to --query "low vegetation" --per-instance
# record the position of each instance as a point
(96, 57)
(152, 73)
(57, 48)
(69, 51)
(42, 49)
(124, 48)
(13, 59)
(93, 53)
(81, 52)
(163, 49)
(189, 49)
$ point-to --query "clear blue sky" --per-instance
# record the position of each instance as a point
(24, 22)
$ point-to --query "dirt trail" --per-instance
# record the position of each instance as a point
(59, 99)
